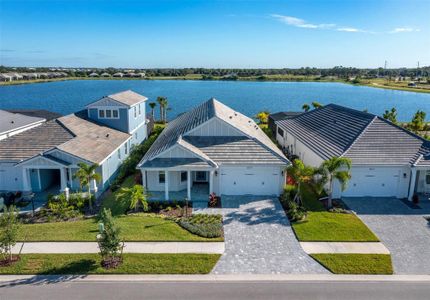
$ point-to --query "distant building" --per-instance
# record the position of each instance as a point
(119, 74)
(93, 75)
(105, 74)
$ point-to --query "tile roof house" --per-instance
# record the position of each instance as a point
(387, 160)
(213, 148)
(46, 157)
(13, 123)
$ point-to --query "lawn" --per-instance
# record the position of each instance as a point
(321, 225)
(133, 264)
(356, 263)
(138, 227)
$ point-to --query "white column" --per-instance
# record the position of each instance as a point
(39, 179)
(189, 185)
(94, 184)
(25, 181)
(143, 178)
(211, 181)
(70, 177)
(166, 185)
(63, 179)
(412, 183)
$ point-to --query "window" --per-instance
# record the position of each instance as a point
(135, 112)
(280, 132)
(184, 176)
(101, 113)
(126, 148)
(427, 177)
(140, 112)
(119, 153)
(161, 177)
(115, 114)
(108, 114)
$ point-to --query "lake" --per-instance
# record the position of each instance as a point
(247, 97)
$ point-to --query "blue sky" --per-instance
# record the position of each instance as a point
(220, 34)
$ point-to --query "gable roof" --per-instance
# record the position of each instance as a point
(283, 115)
(127, 98)
(334, 130)
(202, 113)
(34, 141)
(13, 121)
(38, 113)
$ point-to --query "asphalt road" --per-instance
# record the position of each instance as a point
(216, 290)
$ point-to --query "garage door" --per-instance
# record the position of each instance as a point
(250, 180)
(374, 182)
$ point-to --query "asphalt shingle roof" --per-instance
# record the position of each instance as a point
(184, 123)
(335, 130)
(34, 141)
(10, 121)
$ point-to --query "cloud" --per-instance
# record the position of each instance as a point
(293, 21)
(404, 29)
(348, 29)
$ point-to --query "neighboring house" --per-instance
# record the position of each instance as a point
(14, 123)
(283, 115)
(119, 74)
(46, 157)
(214, 148)
(387, 160)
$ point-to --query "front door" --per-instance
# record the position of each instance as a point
(201, 176)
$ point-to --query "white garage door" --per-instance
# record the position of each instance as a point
(250, 180)
(374, 182)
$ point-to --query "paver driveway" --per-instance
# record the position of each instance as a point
(403, 231)
(260, 240)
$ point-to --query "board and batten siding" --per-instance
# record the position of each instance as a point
(121, 123)
(140, 119)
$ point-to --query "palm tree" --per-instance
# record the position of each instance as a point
(316, 105)
(162, 103)
(306, 107)
(263, 117)
(85, 174)
(136, 195)
(301, 174)
(335, 168)
(166, 107)
(152, 106)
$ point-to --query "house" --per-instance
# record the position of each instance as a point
(387, 160)
(118, 74)
(93, 75)
(283, 115)
(14, 123)
(5, 77)
(213, 148)
(46, 157)
(105, 74)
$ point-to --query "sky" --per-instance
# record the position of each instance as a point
(215, 34)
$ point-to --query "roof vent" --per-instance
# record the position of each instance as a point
(235, 114)
(12, 121)
(107, 135)
(231, 117)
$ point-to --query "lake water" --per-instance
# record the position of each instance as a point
(247, 97)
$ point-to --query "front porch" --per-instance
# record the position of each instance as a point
(420, 184)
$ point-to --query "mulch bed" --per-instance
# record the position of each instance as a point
(111, 262)
(176, 212)
(7, 262)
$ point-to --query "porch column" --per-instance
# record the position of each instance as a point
(189, 185)
(70, 177)
(211, 181)
(166, 185)
(63, 182)
(25, 181)
(412, 183)
(94, 184)
(143, 178)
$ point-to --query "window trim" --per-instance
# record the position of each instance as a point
(126, 148)
(282, 130)
(135, 112)
(161, 174)
(119, 153)
(105, 117)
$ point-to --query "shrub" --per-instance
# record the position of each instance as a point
(9, 227)
(296, 212)
(109, 241)
(208, 226)
(58, 208)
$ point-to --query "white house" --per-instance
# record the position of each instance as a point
(215, 149)
(387, 160)
(45, 158)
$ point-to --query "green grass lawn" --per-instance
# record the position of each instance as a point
(133, 264)
(321, 225)
(356, 263)
(139, 227)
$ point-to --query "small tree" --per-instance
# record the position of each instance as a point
(152, 105)
(9, 227)
(85, 174)
(136, 195)
(109, 240)
(335, 168)
(391, 115)
(306, 107)
(163, 104)
(301, 174)
(418, 121)
(263, 117)
(316, 105)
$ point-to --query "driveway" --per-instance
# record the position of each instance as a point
(403, 230)
(260, 240)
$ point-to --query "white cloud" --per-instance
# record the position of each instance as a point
(404, 29)
(293, 21)
(349, 29)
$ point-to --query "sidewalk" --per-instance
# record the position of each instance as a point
(344, 247)
(130, 247)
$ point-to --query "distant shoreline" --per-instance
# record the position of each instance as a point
(376, 83)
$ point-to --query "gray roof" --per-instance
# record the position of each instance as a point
(175, 162)
(39, 113)
(128, 98)
(335, 130)
(34, 141)
(11, 121)
(173, 133)
(283, 115)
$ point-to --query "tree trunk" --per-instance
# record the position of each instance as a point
(330, 194)
(89, 196)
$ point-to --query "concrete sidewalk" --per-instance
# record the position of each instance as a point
(344, 247)
(130, 247)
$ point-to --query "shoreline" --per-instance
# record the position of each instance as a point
(199, 78)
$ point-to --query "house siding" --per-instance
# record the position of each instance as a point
(121, 123)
